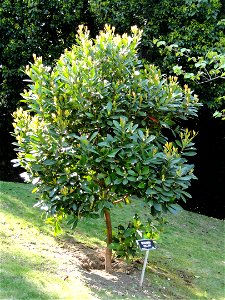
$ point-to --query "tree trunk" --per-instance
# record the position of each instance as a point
(108, 253)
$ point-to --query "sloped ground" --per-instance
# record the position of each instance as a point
(57, 264)
(189, 263)
(70, 261)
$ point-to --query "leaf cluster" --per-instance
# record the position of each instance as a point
(124, 240)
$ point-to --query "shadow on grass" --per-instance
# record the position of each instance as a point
(118, 286)
(15, 283)
(17, 199)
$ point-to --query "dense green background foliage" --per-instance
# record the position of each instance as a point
(42, 27)
(195, 25)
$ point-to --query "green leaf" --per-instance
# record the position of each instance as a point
(103, 144)
(36, 167)
(113, 153)
(177, 70)
(125, 181)
(178, 143)
(109, 107)
(189, 75)
(57, 228)
(186, 194)
(186, 178)
(74, 225)
(108, 204)
(157, 206)
(119, 172)
(114, 246)
(107, 181)
(191, 153)
(160, 43)
(145, 171)
(29, 157)
(84, 140)
(89, 115)
(101, 176)
(131, 178)
(174, 208)
(141, 134)
(150, 139)
(74, 207)
(117, 124)
(150, 191)
(94, 215)
(93, 135)
(128, 232)
(141, 185)
(118, 181)
(131, 172)
(49, 162)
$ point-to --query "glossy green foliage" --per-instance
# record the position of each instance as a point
(92, 135)
(192, 24)
(124, 240)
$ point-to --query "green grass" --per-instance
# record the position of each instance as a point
(188, 264)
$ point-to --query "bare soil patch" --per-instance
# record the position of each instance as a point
(122, 282)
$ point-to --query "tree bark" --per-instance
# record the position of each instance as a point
(108, 252)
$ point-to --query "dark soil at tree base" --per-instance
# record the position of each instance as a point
(207, 192)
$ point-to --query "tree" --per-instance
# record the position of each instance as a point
(94, 133)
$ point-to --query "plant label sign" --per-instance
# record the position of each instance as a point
(146, 245)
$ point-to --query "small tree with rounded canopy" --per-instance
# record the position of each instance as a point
(94, 132)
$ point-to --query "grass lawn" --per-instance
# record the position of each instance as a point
(188, 264)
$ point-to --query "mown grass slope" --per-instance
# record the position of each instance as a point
(188, 264)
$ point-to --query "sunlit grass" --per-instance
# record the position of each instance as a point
(30, 266)
(188, 264)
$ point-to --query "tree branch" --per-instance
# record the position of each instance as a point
(120, 200)
(211, 79)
